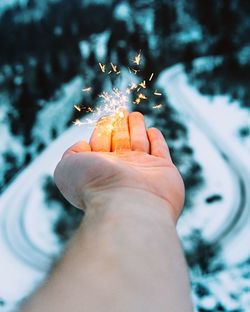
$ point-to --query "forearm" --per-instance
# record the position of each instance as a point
(124, 257)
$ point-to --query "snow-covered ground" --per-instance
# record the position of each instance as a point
(25, 260)
(16, 146)
(55, 113)
(219, 179)
(66, 96)
(219, 121)
(27, 242)
(213, 126)
(28, 248)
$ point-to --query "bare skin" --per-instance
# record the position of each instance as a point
(129, 157)
(126, 255)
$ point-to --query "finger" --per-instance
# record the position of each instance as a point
(120, 135)
(78, 147)
(100, 140)
(138, 133)
(158, 144)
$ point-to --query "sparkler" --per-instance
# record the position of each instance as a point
(114, 101)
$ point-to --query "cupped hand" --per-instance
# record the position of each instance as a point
(121, 155)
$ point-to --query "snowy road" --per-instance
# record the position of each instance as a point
(234, 229)
(24, 261)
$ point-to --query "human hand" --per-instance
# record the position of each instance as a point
(121, 157)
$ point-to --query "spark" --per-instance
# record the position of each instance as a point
(77, 122)
(143, 84)
(114, 101)
(137, 101)
(102, 66)
(116, 91)
(87, 109)
(157, 106)
(157, 93)
(137, 59)
(104, 95)
(133, 70)
(133, 86)
(114, 67)
(142, 96)
(88, 89)
(77, 107)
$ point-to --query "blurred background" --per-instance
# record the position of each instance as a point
(199, 52)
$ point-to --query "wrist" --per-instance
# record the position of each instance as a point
(127, 202)
(124, 222)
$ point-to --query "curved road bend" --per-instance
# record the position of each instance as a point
(239, 216)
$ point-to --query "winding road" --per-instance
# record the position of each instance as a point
(22, 258)
(236, 224)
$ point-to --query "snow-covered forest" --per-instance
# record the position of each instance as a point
(199, 52)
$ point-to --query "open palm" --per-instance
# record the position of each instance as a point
(121, 155)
